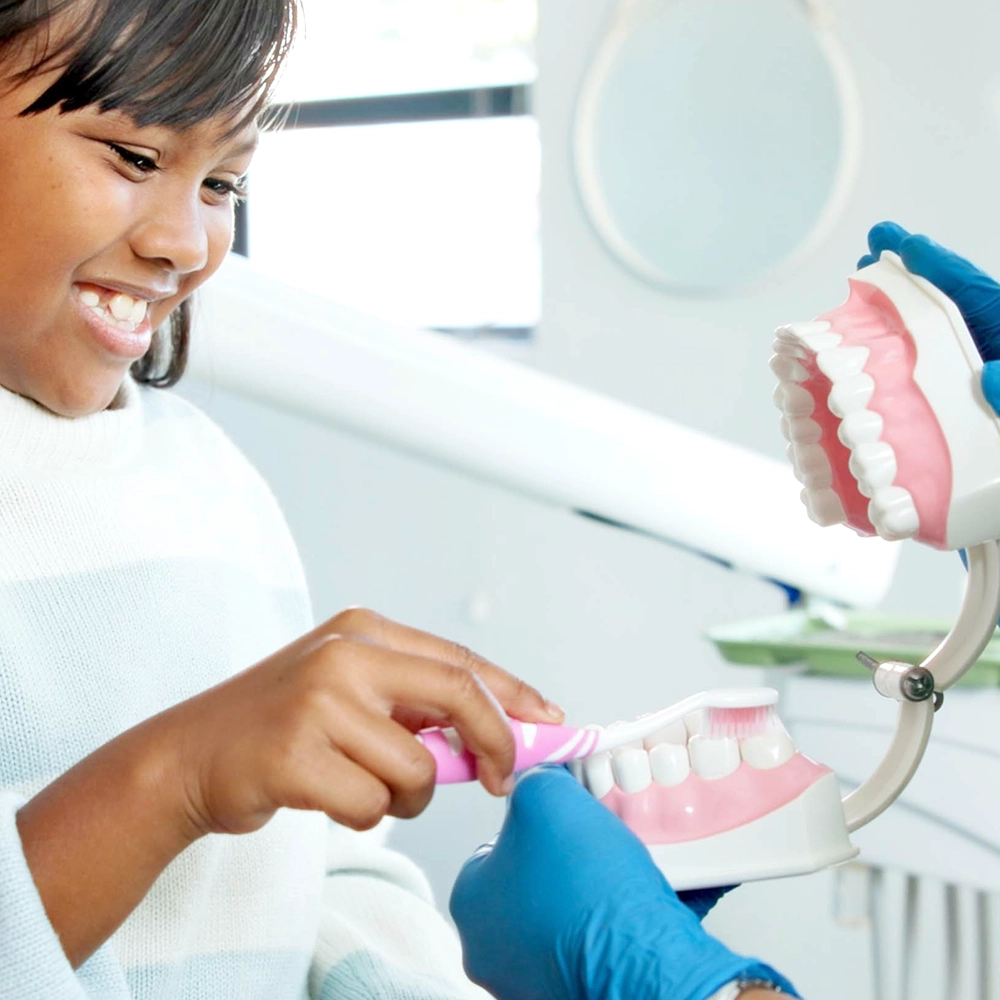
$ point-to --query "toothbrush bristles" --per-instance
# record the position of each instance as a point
(740, 723)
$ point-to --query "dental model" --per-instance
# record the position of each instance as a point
(887, 426)
(712, 785)
(889, 432)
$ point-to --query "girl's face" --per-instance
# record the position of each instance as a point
(104, 229)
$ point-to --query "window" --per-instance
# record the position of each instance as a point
(405, 182)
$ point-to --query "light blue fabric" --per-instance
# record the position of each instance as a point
(567, 904)
(364, 976)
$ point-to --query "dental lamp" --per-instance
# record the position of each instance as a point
(525, 431)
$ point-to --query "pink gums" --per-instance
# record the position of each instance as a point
(702, 807)
(923, 461)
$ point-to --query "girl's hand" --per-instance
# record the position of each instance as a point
(327, 724)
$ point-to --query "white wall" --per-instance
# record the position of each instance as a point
(607, 623)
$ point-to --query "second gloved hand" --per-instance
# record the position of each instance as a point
(568, 905)
(975, 293)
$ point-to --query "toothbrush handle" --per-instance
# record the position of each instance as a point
(534, 743)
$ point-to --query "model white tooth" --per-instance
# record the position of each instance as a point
(893, 514)
(676, 733)
(842, 362)
(138, 313)
(793, 400)
(824, 507)
(630, 767)
(873, 465)
(860, 427)
(816, 336)
(121, 305)
(713, 758)
(90, 298)
(598, 776)
(795, 332)
(576, 769)
(767, 750)
(788, 368)
(803, 430)
(669, 763)
(789, 346)
(851, 394)
(694, 722)
(812, 467)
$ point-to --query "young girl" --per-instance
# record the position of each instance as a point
(172, 726)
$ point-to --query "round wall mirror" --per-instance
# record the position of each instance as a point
(715, 139)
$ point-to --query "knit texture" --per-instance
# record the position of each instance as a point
(142, 560)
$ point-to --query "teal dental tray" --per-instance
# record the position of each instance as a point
(827, 644)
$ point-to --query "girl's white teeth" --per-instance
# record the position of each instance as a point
(124, 309)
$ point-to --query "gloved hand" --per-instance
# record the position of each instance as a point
(976, 294)
(567, 904)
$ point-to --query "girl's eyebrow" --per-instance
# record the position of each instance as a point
(246, 146)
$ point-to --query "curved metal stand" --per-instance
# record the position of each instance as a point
(958, 651)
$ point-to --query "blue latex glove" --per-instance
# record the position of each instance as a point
(567, 904)
(976, 294)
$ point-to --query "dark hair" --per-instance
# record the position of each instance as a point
(175, 63)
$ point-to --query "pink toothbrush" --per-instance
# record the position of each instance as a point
(729, 712)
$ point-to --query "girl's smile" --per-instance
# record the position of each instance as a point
(105, 228)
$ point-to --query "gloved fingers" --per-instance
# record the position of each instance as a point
(701, 901)
(975, 293)
(991, 384)
(885, 236)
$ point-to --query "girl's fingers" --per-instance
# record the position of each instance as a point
(517, 698)
(347, 792)
(452, 694)
(391, 754)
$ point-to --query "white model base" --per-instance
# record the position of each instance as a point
(807, 834)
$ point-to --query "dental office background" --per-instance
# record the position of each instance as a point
(634, 211)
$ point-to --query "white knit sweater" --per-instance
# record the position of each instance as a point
(142, 560)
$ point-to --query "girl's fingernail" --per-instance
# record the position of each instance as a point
(554, 710)
(507, 785)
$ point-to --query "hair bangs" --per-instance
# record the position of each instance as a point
(175, 63)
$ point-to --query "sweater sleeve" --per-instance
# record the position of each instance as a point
(381, 935)
(32, 961)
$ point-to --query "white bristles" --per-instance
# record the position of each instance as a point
(741, 723)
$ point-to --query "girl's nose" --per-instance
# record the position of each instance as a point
(174, 233)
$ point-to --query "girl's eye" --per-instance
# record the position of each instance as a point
(144, 164)
(237, 190)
